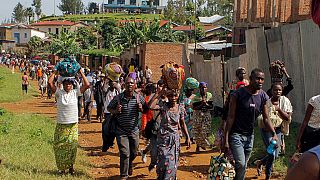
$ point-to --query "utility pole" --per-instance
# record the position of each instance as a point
(54, 7)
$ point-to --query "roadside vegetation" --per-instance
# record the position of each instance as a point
(10, 86)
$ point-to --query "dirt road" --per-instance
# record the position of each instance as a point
(106, 166)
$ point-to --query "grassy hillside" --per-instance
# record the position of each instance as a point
(101, 17)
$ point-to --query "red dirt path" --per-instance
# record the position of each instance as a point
(106, 166)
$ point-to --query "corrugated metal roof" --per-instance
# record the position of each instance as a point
(211, 19)
(219, 46)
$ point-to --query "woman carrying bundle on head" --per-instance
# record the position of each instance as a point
(202, 103)
(186, 98)
(65, 142)
(168, 137)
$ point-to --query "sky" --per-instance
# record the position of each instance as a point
(7, 6)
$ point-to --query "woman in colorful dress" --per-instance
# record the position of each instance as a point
(185, 98)
(168, 138)
(66, 133)
(202, 103)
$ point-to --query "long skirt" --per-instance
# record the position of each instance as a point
(168, 156)
(65, 145)
(201, 128)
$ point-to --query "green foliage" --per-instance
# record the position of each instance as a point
(19, 13)
(102, 17)
(87, 38)
(64, 44)
(102, 52)
(10, 87)
(34, 45)
(93, 8)
(71, 6)
(37, 6)
(26, 149)
(108, 31)
(131, 34)
(29, 13)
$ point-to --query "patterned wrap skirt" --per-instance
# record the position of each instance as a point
(201, 127)
(65, 145)
(168, 156)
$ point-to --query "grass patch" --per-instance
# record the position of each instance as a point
(26, 149)
(101, 17)
(10, 86)
(259, 149)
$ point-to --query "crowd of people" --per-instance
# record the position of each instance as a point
(136, 107)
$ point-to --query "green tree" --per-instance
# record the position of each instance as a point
(37, 5)
(29, 13)
(180, 12)
(93, 8)
(109, 31)
(169, 11)
(71, 6)
(34, 45)
(19, 13)
(64, 45)
(87, 38)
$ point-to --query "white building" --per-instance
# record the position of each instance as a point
(22, 33)
(56, 27)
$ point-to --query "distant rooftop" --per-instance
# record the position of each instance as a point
(54, 23)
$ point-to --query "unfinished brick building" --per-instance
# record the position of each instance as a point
(265, 13)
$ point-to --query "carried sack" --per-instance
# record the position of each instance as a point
(315, 11)
(113, 71)
(173, 75)
(151, 128)
(68, 67)
(220, 168)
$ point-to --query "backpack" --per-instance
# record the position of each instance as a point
(173, 75)
(151, 128)
(315, 11)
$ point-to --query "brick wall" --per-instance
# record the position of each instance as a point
(154, 55)
(261, 11)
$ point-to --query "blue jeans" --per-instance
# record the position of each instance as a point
(269, 158)
(241, 147)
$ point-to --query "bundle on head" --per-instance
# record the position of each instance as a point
(113, 71)
(173, 75)
(276, 69)
(68, 67)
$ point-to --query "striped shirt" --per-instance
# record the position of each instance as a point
(127, 120)
(67, 105)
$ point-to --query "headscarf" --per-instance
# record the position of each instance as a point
(203, 84)
(191, 83)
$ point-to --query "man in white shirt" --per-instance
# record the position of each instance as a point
(148, 74)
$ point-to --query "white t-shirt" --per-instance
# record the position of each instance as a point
(67, 105)
(148, 73)
(314, 121)
(109, 96)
